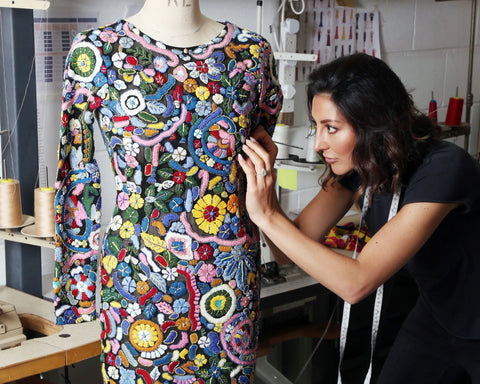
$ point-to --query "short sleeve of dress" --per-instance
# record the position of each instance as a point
(77, 199)
(448, 175)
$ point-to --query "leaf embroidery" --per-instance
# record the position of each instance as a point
(156, 107)
(159, 282)
(155, 243)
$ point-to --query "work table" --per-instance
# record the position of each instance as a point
(61, 345)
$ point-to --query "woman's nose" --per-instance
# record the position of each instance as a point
(320, 143)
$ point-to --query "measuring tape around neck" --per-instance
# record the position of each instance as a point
(377, 308)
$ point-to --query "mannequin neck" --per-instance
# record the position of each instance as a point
(178, 23)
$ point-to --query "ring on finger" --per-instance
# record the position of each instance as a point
(262, 173)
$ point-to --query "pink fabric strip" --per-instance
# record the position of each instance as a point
(207, 239)
(221, 44)
(80, 91)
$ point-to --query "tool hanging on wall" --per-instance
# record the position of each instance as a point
(260, 17)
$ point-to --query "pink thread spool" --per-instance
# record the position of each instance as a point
(432, 110)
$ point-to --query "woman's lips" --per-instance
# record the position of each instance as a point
(329, 160)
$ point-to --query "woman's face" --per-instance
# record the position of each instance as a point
(334, 136)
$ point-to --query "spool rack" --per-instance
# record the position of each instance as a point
(25, 4)
(450, 131)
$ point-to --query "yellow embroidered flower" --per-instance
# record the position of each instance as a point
(202, 93)
(142, 287)
(183, 323)
(136, 201)
(243, 121)
(255, 50)
(232, 204)
(190, 85)
(209, 213)
(200, 360)
(218, 327)
(217, 303)
(127, 230)
(84, 63)
(78, 139)
(145, 335)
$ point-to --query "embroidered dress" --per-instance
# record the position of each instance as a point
(180, 257)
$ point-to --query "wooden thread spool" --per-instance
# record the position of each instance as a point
(10, 204)
(44, 206)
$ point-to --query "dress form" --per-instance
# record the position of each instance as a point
(180, 260)
(178, 23)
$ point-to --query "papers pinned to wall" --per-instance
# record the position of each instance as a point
(54, 34)
(53, 39)
(331, 31)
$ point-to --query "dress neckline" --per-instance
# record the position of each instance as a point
(141, 35)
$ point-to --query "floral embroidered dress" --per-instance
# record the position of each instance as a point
(180, 257)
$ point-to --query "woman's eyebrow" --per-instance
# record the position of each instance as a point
(330, 121)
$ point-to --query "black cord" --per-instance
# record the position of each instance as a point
(65, 375)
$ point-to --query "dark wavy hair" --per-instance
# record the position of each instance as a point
(392, 135)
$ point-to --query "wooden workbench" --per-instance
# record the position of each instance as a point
(62, 345)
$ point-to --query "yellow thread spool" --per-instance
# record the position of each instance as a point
(44, 206)
(10, 204)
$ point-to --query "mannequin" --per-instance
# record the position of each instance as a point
(180, 276)
(196, 28)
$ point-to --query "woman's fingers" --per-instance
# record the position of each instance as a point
(247, 166)
(260, 179)
(257, 154)
(262, 136)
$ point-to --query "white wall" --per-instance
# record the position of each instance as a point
(426, 44)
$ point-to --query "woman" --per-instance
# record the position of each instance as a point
(369, 134)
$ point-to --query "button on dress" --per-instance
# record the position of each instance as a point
(179, 262)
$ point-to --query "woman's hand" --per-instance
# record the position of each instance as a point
(266, 141)
(261, 199)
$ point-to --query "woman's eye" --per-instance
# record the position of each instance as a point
(331, 129)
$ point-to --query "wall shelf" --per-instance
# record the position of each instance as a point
(25, 4)
(297, 165)
(449, 131)
(17, 236)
